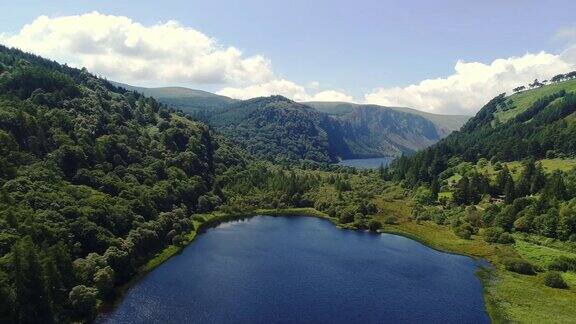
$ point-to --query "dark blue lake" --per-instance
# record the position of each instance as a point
(305, 270)
(372, 163)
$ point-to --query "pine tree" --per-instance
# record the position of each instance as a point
(502, 180)
(509, 191)
(538, 180)
(435, 188)
(461, 194)
(32, 300)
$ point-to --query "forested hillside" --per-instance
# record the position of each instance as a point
(524, 160)
(94, 180)
(278, 129)
(506, 183)
(445, 123)
(270, 127)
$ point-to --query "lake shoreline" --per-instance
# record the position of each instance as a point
(485, 274)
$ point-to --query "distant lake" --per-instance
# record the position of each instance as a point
(372, 163)
(305, 270)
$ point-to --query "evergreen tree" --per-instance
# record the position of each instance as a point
(502, 180)
(555, 188)
(538, 180)
(509, 192)
(435, 188)
(461, 194)
(32, 300)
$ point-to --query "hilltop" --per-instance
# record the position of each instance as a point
(185, 99)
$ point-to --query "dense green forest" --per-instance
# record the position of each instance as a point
(280, 130)
(94, 179)
(473, 167)
(97, 181)
(283, 131)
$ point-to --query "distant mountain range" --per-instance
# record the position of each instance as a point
(335, 108)
(185, 99)
(280, 129)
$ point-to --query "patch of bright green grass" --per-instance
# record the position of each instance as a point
(525, 299)
(538, 254)
(452, 180)
(523, 100)
(551, 165)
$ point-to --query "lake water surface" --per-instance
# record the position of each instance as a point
(372, 163)
(305, 270)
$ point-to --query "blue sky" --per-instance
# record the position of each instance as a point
(353, 47)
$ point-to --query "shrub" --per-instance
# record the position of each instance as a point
(519, 266)
(346, 218)
(390, 220)
(492, 234)
(198, 218)
(563, 264)
(360, 224)
(463, 232)
(505, 238)
(374, 225)
(359, 216)
(554, 279)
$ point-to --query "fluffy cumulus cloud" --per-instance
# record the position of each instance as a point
(119, 48)
(285, 88)
(170, 53)
(472, 84)
(164, 53)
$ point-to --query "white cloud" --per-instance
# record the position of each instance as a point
(274, 87)
(167, 53)
(119, 48)
(124, 50)
(473, 84)
(331, 95)
(285, 88)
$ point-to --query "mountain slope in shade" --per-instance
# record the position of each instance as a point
(335, 108)
(375, 130)
(277, 128)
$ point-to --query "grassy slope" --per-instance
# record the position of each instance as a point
(171, 92)
(522, 100)
(509, 296)
(515, 168)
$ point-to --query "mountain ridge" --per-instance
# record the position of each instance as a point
(366, 130)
